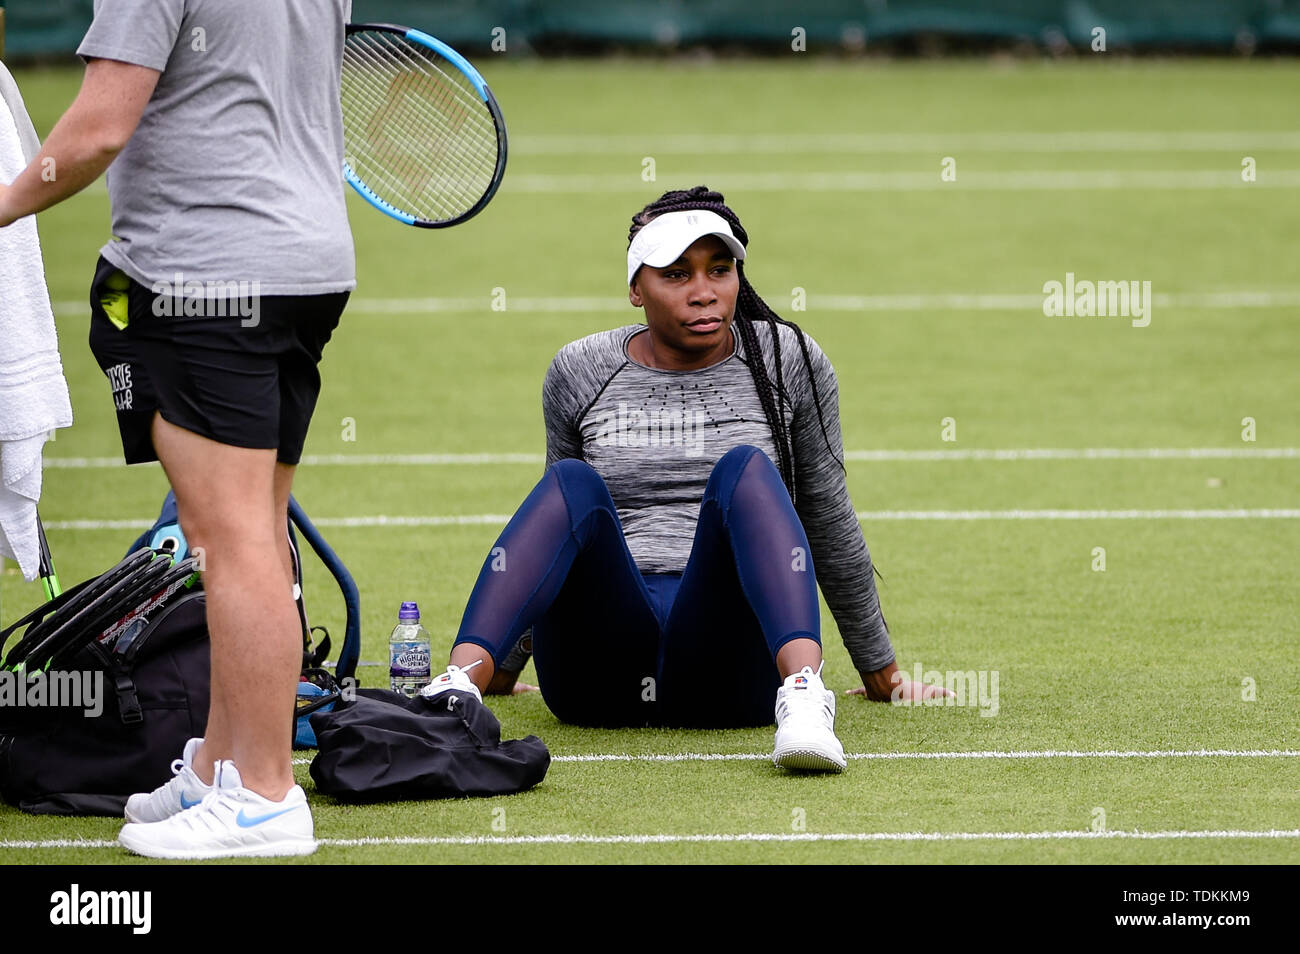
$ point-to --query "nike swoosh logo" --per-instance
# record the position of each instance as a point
(188, 802)
(244, 821)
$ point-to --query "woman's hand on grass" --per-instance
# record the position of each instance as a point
(891, 685)
(506, 683)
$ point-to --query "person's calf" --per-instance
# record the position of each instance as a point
(256, 658)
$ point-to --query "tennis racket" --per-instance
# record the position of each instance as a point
(49, 576)
(423, 137)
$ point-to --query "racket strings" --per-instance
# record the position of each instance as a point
(418, 168)
(405, 169)
(419, 134)
(416, 182)
(457, 84)
(482, 135)
(391, 172)
(398, 73)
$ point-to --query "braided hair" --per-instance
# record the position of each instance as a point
(750, 311)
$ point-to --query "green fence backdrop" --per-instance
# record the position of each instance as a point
(51, 27)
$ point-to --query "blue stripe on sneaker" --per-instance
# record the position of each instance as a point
(245, 822)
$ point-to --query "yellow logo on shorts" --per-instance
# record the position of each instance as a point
(113, 299)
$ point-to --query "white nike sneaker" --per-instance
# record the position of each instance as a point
(184, 790)
(230, 822)
(453, 678)
(805, 725)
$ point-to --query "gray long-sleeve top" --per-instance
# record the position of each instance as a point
(654, 436)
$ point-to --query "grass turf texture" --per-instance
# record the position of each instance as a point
(1148, 655)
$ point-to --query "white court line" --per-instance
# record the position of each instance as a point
(495, 519)
(1238, 298)
(1270, 298)
(490, 519)
(750, 837)
(1044, 754)
(1014, 180)
(1235, 514)
(1010, 302)
(759, 837)
(143, 523)
(993, 454)
(800, 143)
(891, 756)
(1025, 180)
(1076, 453)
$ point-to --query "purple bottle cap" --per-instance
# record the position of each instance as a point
(409, 611)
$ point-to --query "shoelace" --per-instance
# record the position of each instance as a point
(452, 671)
(476, 662)
(167, 792)
(203, 812)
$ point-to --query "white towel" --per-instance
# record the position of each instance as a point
(26, 131)
(33, 391)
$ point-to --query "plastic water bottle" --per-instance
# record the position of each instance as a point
(408, 653)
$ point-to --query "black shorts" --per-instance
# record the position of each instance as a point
(240, 370)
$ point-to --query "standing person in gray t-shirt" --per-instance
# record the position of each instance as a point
(230, 263)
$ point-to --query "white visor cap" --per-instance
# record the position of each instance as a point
(663, 240)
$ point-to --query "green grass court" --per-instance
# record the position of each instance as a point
(1112, 170)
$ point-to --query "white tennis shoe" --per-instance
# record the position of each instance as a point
(805, 725)
(184, 790)
(230, 822)
(453, 679)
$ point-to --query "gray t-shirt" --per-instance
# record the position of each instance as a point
(235, 171)
(655, 436)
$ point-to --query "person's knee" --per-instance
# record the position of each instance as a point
(734, 464)
(740, 455)
(740, 458)
(219, 529)
(579, 481)
(571, 470)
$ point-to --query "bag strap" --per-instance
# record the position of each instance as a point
(323, 680)
(121, 666)
(350, 652)
(314, 656)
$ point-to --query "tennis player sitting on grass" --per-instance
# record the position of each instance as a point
(668, 560)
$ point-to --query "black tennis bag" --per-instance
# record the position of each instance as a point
(383, 746)
(104, 684)
(87, 719)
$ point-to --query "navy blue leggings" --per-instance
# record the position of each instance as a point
(615, 648)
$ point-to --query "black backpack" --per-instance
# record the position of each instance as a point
(132, 646)
(104, 679)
